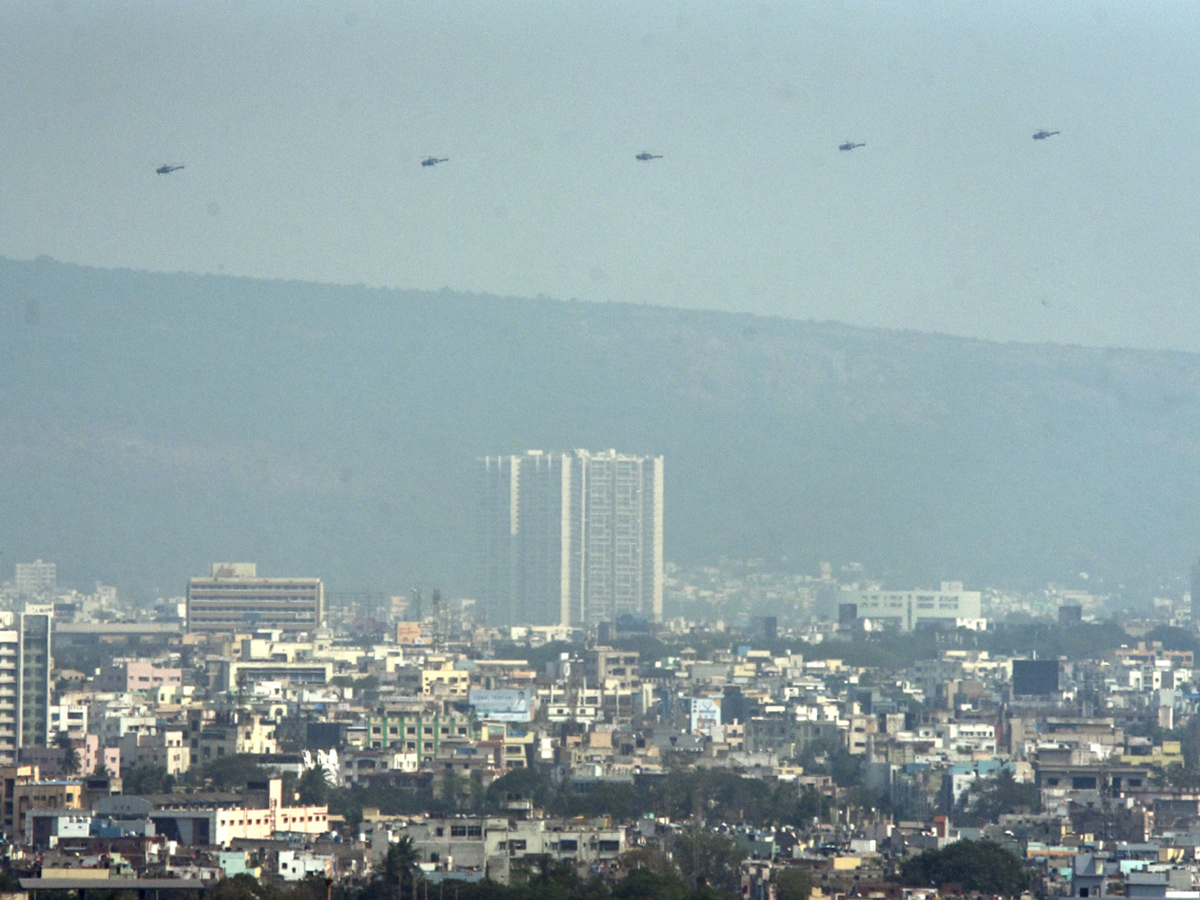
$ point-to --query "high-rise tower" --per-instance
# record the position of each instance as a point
(570, 538)
(25, 666)
(33, 677)
(1195, 594)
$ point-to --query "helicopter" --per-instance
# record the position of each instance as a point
(167, 169)
(1042, 135)
(850, 145)
(646, 156)
(431, 161)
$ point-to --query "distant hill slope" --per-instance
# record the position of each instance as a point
(150, 424)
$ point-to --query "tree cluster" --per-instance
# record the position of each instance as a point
(987, 801)
(712, 876)
(247, 887)
(713, 795)
(976, 865)
(141, 780)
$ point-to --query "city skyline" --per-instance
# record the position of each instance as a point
(906, 294)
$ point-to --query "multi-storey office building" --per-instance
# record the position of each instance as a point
(234, 599)
(570, 538)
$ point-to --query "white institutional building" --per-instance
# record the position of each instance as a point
(570, 538)
(950, 605)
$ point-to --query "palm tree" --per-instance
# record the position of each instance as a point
(402, 859)
(313, 786)
(70, 759)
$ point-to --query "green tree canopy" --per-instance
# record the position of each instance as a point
(985, 802)
(312, 788)
(792, 884)
(400, 868)
(239, 887)
(976, 865)
(246, 887)
(707, 858)
(831, 758)
(230, 773)
(645, 884)
(527, 783)
(70, 760)
(142, 780)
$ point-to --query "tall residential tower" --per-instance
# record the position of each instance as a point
(570, 538)
(25, 666)
(1194, 605)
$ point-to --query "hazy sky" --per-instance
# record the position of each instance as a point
(302, 126)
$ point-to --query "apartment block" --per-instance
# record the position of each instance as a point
(569, 538)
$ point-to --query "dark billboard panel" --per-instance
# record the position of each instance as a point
(1034, 677)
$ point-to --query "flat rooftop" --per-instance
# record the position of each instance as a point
(115, 884)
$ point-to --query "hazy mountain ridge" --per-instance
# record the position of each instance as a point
(151, 423)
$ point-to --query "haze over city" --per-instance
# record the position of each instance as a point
(301, 129)
(626, 451)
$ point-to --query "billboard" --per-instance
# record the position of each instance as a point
(502, 705)
(1034, 677)
(706, 715)
(411, 634)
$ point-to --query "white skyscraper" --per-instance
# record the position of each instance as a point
(570, 538)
